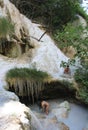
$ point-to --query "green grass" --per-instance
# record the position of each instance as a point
(25, 73)
(6, 27)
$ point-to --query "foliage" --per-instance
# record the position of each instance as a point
(72, 36)
(6, 27)
(65, 64)
(54, 13)
(81, 76)
(24, 73)
(57, 14)
(68, 35)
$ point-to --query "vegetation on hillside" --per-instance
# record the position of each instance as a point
(81, 77)
(52, 13)
(57, 16)
(76, 36)
(72, 35)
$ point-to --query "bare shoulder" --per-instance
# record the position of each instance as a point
(45, 102)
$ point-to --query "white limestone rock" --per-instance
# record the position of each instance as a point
(14, 116)
(62, 110)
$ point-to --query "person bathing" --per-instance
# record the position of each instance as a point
(45, 106)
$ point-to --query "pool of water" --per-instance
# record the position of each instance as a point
(77, 118)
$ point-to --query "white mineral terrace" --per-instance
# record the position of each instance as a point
(45, 57)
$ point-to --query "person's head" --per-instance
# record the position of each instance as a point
(67, 66)
(39, 104)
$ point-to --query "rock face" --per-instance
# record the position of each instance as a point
(19, 41)
(42, 54)
(30, 52)
(14, 115)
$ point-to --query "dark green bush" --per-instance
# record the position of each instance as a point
(81, 77)
(54, 13)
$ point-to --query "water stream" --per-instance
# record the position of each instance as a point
(77, 118)
(35, 122)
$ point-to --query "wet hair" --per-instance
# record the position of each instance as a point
(67, 65)
(39, 104)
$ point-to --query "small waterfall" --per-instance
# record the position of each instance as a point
(35, 123)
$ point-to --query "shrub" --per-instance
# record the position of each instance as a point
(6, 27)
(25, 73)
(53, 13)
(81, 77)
(72, 36)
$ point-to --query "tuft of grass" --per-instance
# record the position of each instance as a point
(6, 27)
(25, 73)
